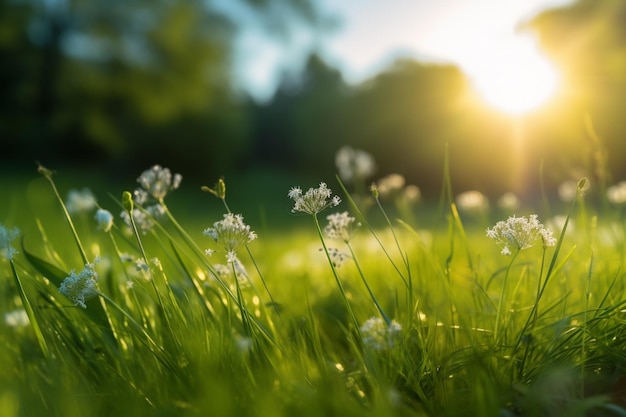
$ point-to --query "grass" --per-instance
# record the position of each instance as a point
(281, 330)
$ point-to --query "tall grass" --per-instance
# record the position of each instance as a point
(390, 320)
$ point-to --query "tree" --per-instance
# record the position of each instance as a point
(138, 81)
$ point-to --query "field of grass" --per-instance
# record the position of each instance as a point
(394, 309)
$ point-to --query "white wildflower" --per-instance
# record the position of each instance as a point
(520, 233)
(390, 184)
(6, 236)
(16, 318)
(567, 190)
(340, 226)
(473, 202)
(508, 202)
(140, 196)
(79, 287)
(158, 181)
(82, 201)
(314, 200)
(104, 218)
(337, 257)
(378, 335)
(412, 193)
(616, 194)
(231, 233)
(354, 164)
(244, 344)
(226, 271)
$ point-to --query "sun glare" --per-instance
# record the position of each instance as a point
(518, 80)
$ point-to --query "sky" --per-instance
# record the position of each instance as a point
(477, 35)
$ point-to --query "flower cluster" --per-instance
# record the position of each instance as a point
(79, 287)
(6, 236)
(157, 182)
(354, 164)
(231, 233)
(314, 200)
(520, 233)
(378, 335)
(340, 226)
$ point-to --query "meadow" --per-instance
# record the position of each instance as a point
(377, 304)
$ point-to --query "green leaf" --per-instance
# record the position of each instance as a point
(55, 274)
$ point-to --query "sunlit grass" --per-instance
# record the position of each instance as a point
(415, 312)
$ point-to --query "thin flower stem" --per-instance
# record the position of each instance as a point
(395, 237)
(221, 283)
(242, 304)
(532, 317)
(152, 280)
(502, 295)
(363, 220)
(144, 320)
(369, 289)
(48, 175)
(267, 290)
(256, 266)
(332, 267)
(180, 229)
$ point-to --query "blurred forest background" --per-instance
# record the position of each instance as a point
(118, 85)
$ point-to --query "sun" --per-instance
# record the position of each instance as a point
(518, 79)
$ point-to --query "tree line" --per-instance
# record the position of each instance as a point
(129, 84)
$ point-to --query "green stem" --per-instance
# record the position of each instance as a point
(30, 312)
(337, 280)
(152, 279)
(502, 295)
(48, 175)
(363, 220)
(241, 303)
(147, 339)
(369, 289)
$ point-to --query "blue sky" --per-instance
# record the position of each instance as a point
(474, 34)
